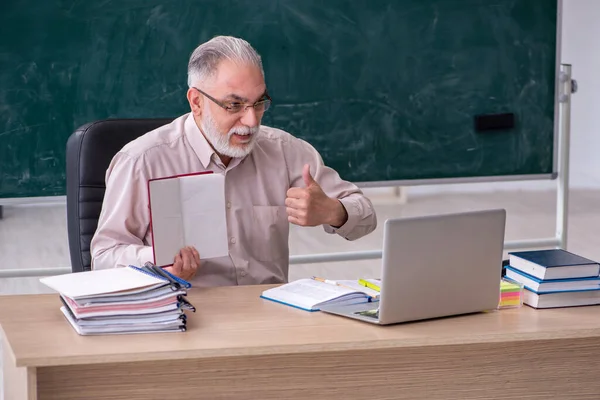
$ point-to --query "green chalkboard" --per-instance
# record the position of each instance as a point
(385, 90)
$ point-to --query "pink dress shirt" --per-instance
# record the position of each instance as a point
(255, 193)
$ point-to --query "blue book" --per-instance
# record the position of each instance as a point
(553, 264)
(553, 285)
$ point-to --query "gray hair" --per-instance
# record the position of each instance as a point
(206, 58)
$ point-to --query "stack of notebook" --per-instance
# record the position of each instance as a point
(555, 278)
(122, 300)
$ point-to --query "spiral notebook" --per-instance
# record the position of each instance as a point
(106, 281)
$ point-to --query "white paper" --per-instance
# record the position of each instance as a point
(189, 211)
(76, 285)
(203, 209)
(167, 221)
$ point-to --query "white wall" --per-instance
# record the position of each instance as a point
(581, 48)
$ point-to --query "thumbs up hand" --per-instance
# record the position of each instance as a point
(310, 206)
(307, 177)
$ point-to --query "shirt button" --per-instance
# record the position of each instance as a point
(232, 240)
(228, 205)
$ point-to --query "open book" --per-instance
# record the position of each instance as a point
(188, 210)
(310, 295)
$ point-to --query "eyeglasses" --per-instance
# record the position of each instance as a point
(260, 106)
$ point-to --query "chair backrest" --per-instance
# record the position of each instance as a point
(90, 150)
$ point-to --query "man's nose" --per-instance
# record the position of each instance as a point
(250, 117)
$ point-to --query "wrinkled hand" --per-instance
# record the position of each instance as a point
(186, 263)
(310, 206)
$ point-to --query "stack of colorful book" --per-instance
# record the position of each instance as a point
(555, 278)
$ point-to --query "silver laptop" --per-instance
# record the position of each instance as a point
(436, 266)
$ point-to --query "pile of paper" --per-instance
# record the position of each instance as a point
(122, 300)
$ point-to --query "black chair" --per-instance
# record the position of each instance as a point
(90, 150)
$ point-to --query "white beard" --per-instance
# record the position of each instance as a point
(220, 142)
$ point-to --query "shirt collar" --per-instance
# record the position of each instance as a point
(199, 144)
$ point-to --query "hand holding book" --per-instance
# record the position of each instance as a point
(186, 263)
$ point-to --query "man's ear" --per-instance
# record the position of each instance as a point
(196, 101)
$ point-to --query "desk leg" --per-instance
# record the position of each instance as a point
(19, 382)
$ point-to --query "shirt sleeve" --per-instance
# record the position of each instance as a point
(125, 217)
(362, 219)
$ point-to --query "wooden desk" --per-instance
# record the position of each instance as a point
(239, 346)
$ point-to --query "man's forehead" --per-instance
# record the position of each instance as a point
(239, 81)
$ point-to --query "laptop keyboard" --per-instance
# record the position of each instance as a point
(369, 313)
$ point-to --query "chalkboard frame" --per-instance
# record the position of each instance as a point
(415, 182)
